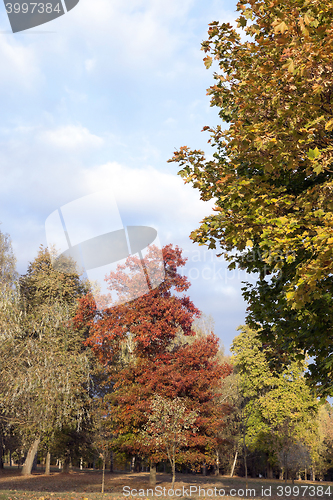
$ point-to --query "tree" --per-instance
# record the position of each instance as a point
(43, 285)
(293, 457)
(323, 451)
(45, 369)
(8, 273)
(153, 320)
(167, 427)
(8, 277)
(271, 171)
(280, 410)
(45, 379)
(144, 345)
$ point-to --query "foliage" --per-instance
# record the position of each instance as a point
(43, 372)
(8, 273)
(271, 172)
(43, 285)
(277, 406)
(45, 369)
(168, 426)
(152, 320)
(323, 459)
(143, 345)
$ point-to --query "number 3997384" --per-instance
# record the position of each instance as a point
(30, 8)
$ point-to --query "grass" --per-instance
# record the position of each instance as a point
(86, 485)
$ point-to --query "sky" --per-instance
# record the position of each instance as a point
(100, 98)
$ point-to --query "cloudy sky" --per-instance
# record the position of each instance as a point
(101, 98)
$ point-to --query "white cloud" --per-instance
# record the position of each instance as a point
(158, 196)
(19, 65)
(71, 137)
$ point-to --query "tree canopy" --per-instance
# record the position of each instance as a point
(150, 349)
(271, 173)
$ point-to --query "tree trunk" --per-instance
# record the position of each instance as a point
(111, 461)
(173, 468)
(34, 464)
(245, 461)
(313, 474)
(67, 459)
(217, 472)
(204, 469)
(234, 464)
(269, 471)
(1, 451)
(103, 475)
(152, 474)
(27, 466)
(65, 468)
(48, 463)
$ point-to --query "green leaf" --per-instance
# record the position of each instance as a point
(313, 154)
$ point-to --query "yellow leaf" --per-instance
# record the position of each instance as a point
(282, 27)
(249, 243)
(329, 125)
(291, 67)
(307, 19)
(208, 61)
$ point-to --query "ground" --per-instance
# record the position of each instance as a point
(86, 485)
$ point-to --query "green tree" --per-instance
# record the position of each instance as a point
(45, 369)
(8, 277)
(43, 284)
(271, 172)
(323, 451)
(280, 410)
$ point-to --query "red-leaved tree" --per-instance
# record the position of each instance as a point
(150, 349)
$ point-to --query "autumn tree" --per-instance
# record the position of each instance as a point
(143, 342)
(271, 172)
(167, 427)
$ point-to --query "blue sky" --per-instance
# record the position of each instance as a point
(103, 101)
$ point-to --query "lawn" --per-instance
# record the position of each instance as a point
(86, 485)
